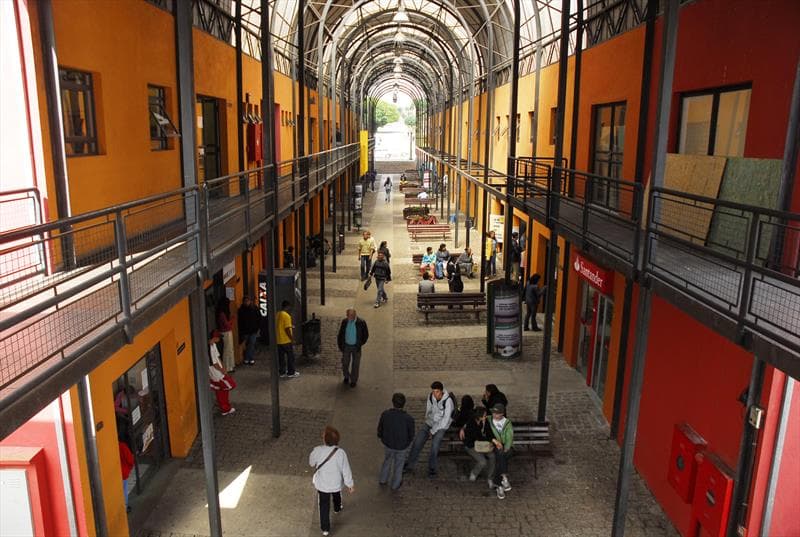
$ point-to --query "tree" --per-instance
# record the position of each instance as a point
(385, 113)
(411, 120)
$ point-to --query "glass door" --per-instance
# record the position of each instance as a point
(589, 297)
(601, 342)
(607, 151)
(208, 150)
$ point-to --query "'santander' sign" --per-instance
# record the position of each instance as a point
(601, 279)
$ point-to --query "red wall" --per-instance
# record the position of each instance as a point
(785, 520)
(692, 375)
(40, 432)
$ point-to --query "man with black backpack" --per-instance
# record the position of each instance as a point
(439, 412)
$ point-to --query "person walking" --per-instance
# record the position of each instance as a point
(387, 185)
(503, 433)
(396, 431)
(382, 273)
(438, 416)
(491, 254)
(477, 437)
(225, 327)
(533, 294)
(516, 257)
(332, 473)
(249, 321)
(126, 462)
(218, 380)
(384, 249)
(366, 249)
(284, 336)
(353, 334)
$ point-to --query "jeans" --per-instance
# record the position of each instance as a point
(325, 507)
(439, 270)
(419, 442)
(466, 269)
(491, 266)
(381, 293)
(501, 465)
(351, 353)
(393, 458)
(250, 347)
(125, 491)
(482, 460)
(531, 315)
(286, 359)
(366, 264)
(388, 193)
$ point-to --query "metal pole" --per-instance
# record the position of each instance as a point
(55, 120)
(552, 246)
(335, 233)
(619, 384)
(270, 157)
(92, 458)
(197, 313)
(303, 162)
(322, 209)
(778, 452)
(240, 93)
(669, 45)
(512, 144)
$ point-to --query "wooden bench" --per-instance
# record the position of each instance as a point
(413, 192)
(427, 302)
(416, 201)
(530, 438)
(408, 185)
(428, 230)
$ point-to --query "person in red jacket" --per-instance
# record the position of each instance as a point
(126, 463)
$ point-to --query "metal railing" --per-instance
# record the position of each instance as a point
(739, 260)
(96, 272)
(20, 208)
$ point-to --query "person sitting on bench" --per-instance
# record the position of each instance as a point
(428, 262)
(465, 262)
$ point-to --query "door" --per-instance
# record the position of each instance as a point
(141, 417)
(600, 343)
(208, 150)
(607, 151)
(587, 331)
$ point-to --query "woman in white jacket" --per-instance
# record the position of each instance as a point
(331, 474)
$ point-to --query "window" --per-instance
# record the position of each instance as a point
(607, 149)
(77, 103)
(161, 126)
(519, 126)
(531, 120)
(553, 121)
(714, 122)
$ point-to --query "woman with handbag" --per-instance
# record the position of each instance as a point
(332, 473)
(477, 435)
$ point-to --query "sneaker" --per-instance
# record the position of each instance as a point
(377, 304)
(431, 474)
(335, 512)
(282, 374)
(501, 494)
(346, 380)
(505, 483)
(293, 375)
(491, 484)
(472, 476)
(228, 413)
(352, 384)
(326, 533)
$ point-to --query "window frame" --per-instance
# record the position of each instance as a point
(607, 193)
(166, 130)
(90, 140)
(715, 97)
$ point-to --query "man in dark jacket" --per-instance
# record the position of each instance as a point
(533, 295)
(382, 273)
(249, 321)
(396, 431)
(353, 333)
(516, 257)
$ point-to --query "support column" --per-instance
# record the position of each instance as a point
(197, 299)
(270, 158)
(669, 45)
(92, 458)
(302, 161)
(512, 147)
(322, 208)
(552, 246)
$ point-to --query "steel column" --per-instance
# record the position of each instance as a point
(512, 144)
(619, 383)
(92, 458)
(55, 120)
(322, 208)
(777, 456)
(303, 162)
(240, 94)
(270, 157)
(552, 246)
(197, 313)
(625, 471)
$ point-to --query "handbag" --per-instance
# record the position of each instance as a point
(483, 446)
(326, 459)
(367, 283)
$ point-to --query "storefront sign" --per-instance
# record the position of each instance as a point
(505, 321)
(497, 224)
(262, 293)
(228, 271)
(601, 279)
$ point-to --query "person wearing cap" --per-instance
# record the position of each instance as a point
(438, 416)
(218, 379)
(503, 440)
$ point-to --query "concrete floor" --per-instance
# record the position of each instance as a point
(265, 483)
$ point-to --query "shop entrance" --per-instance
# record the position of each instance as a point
(142, 417)
(597, 311)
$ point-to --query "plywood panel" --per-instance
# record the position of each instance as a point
(752, 182)
(695, 174)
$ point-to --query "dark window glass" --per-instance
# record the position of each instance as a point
(161, 126)
(714, 122)
(77, 104)
(553, 121)
(607, 151)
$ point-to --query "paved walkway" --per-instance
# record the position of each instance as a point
(266, 485)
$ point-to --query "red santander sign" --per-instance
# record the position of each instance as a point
(599, 278)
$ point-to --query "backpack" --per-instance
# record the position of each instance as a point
(451, 396)
(387, 182)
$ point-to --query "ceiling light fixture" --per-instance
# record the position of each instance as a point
(398, 69)
(398, 60)
(400, 36)
(401, 15)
